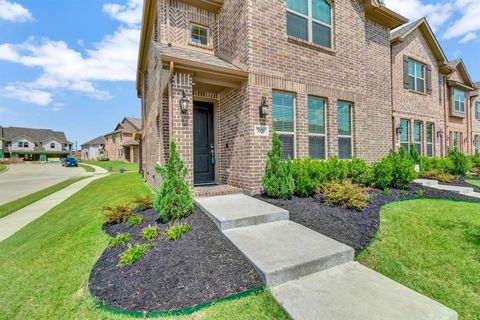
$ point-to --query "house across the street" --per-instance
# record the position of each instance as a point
(33, 144)
(93, 149)
(120, 143)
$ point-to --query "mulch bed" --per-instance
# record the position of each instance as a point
(199, 267)
(351, 227)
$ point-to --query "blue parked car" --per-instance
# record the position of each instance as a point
(70, 162)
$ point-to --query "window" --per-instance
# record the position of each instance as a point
(429, 133)
(316, 128)
(405, 136)
(23, 144)
(476, 144)
(417, 136)
(344, 121)
(198, 34)
(459, 101)
(283, 121)
(416, 76)
(455, 139)
(477, 110)
(52, 145)
(310, 20)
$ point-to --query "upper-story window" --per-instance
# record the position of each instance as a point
(310, 20)
(52, 145)
(416, 76)
(198, 34)
(459, 101)
(23, 144)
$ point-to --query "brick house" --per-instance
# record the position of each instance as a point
(219, 76)
(475, 117)
(120, 144)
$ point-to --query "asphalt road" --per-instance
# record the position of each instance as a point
(23, 179)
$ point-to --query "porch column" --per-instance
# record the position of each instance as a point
(182, 123)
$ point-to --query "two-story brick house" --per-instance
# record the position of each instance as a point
(219, 76)
(120, 144)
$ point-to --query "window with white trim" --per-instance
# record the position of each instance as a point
(416, 76)
(344, 122)
(316, 128)
(459, 100)
(477, 110)
(52, 145)
(417, 136)
(405, 136)
(429, 135)
(198, 34)
(310, 20)
(283, 113)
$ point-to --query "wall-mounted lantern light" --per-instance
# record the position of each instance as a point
(399, 130)
(263, 108)
(184, 102)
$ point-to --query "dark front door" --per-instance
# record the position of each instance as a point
(203, 147)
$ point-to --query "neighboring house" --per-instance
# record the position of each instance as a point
(93, 149)
(458, 87)
(120, 143)
(219, 76)
(33, 144)
(475, 119)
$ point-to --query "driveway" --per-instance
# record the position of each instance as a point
(23, 179)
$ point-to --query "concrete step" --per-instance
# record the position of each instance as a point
(352, 291)
(426, 182)
(456, 189)
(239, 210)
(283, 251)
(474, 195)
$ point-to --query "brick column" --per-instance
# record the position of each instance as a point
(182, 128)
(301, 122)
(332, 128)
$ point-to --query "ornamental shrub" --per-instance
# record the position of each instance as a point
(118, 213)
(120, 240)
(278, 179)
(439, 175)
(335, 169)
(383, 173)
(176, 231)
(150, 233)
(404, 171)
(174, 201)
(308, 174)
(143, 203)
(359, 172)
(344, 194)
(444, 165)
(460, 162)
(133, 254)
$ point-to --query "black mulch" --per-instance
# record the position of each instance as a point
(351, 227)
(199, 267)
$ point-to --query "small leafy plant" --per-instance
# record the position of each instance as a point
(439, 175)
(419, 193)
(120, 240)
(143, 203)
(150, 233)
(345, 194)
(387, 192)
(404, 193)
(177, 230)
(117, 214)
(135, 220)
(133, 254)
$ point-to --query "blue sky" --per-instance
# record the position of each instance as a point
(70, 65)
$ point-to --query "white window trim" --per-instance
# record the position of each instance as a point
(433, 139)
(408, 134)
(351, 130)
(421, 136)
(415, 77)
(294, 121)
(192, 24)
(460, 101)
(325, 101)
(311, 20)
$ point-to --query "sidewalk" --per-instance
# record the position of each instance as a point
(98, 170)
(16, 221)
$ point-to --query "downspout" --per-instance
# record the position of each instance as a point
(170, 101)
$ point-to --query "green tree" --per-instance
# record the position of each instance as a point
(174, 201)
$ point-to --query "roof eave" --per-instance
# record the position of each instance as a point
(383, 15)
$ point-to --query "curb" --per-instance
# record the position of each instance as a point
(5, 170)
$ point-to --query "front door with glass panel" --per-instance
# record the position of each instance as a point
(203, 144)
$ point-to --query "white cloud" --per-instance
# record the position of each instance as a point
(5, 110)
(437, 13)
(14, 12)
(469, 21)
(468, 37)
(63, 68)
(28, 95)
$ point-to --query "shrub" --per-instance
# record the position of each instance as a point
(117, 214)
(404, 193)
(174, 201)
(441, 164)
(133, 254)
(150, 233)
(404, 172)
(335, 169)
(307, 174)
(176, 231)
(439, 175)
(345, 194)
(460, 162)
(120, 240)
(278, 179)
(383, 173)
(135, 220)
(359, 172)
(387, 192)
(419, 193)
(143, 203)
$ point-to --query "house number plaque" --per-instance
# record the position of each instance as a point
(261, 131)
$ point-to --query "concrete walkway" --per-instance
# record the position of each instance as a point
(16, 221)
(310, 275)
(466, 191)
(98, 170)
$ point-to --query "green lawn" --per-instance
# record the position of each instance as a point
(474, 182)
(2, 168)
(116, 165)
(87, 168)
(18, 204)
(433, 247)
(44, 268)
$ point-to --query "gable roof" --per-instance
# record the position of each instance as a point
(37, 135)
(400, 34)
(97, 140)
(459, 65)
(130, 125)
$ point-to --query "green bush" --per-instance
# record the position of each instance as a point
(439, 175)
(387, 192)
(133, 254)
(460, 162)
(335, 169)
(117, 214)
(383, 173)
(307, 174)
(344, 194)
(278, 179)
(150, 233)
(174, 201)
(444, 165)
(143, 203)
(177, 230)
(135, 220)
(120, 239)
(396, 170)
(359, 172)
